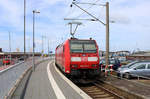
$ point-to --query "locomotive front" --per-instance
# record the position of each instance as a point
(84, 58)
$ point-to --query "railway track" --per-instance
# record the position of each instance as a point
(97, 91)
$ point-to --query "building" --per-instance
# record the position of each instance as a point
(17, 54)
(0, 49)
(141, 55)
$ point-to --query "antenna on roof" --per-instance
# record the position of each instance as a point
(71, 25)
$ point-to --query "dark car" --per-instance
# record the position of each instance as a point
(115, 63)
(22, 58)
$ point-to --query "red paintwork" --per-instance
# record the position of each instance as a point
(63, 58)
(6, 61)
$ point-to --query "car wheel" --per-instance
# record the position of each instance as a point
(118, 75)
(127, 75)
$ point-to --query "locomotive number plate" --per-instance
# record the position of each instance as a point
(84, 59)
(83, 65)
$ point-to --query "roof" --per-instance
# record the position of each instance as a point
(17, 53)
(143, 54)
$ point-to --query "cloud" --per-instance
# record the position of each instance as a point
(131, 22)
(11, 13)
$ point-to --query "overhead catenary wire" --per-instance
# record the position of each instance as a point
(89, 13)
(87, 9)
(70, 11)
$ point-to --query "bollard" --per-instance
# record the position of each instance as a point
(138, 78)
(111, 69)
(106, 67)
(101, 67)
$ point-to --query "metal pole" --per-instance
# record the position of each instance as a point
(107, 34)
(48, 47)
(71, 29)
(24, 28)
(33, 64)
(42, 46)
(29, 47)
(10, 45)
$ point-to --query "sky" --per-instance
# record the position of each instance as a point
(129, 31)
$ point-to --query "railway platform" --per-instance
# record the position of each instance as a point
(46, 82)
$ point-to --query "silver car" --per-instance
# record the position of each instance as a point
(138, 69)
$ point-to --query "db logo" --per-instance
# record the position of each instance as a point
(84, 58)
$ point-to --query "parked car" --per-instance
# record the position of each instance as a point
(115, 63)
(22, 58)
(128, 65)
(122, 59)
(135, 69)
(6, 61)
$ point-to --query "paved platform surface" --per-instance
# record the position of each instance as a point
(40, 87)
(130, 86)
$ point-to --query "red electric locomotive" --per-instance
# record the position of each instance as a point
(78, 57)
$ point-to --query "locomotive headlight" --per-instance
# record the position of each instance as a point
(76, 59)
(92, 58)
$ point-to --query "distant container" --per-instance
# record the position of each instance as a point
(0, 49)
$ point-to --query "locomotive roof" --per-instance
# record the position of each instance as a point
(75, 39)
(81, 39)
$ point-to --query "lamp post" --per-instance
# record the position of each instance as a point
(48, 47)
(24, 28)
(33, 61)
(10, 45)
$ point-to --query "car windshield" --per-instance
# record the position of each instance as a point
(131, 64)
(111, 61)
(80, 46)
(134, 65)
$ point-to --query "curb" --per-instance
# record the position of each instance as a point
(12, 90)
(4, 70)
(18, 81)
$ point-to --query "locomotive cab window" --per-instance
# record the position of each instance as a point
(79, 46)
(89, 48)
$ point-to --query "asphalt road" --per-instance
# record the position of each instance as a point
(9, 77)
